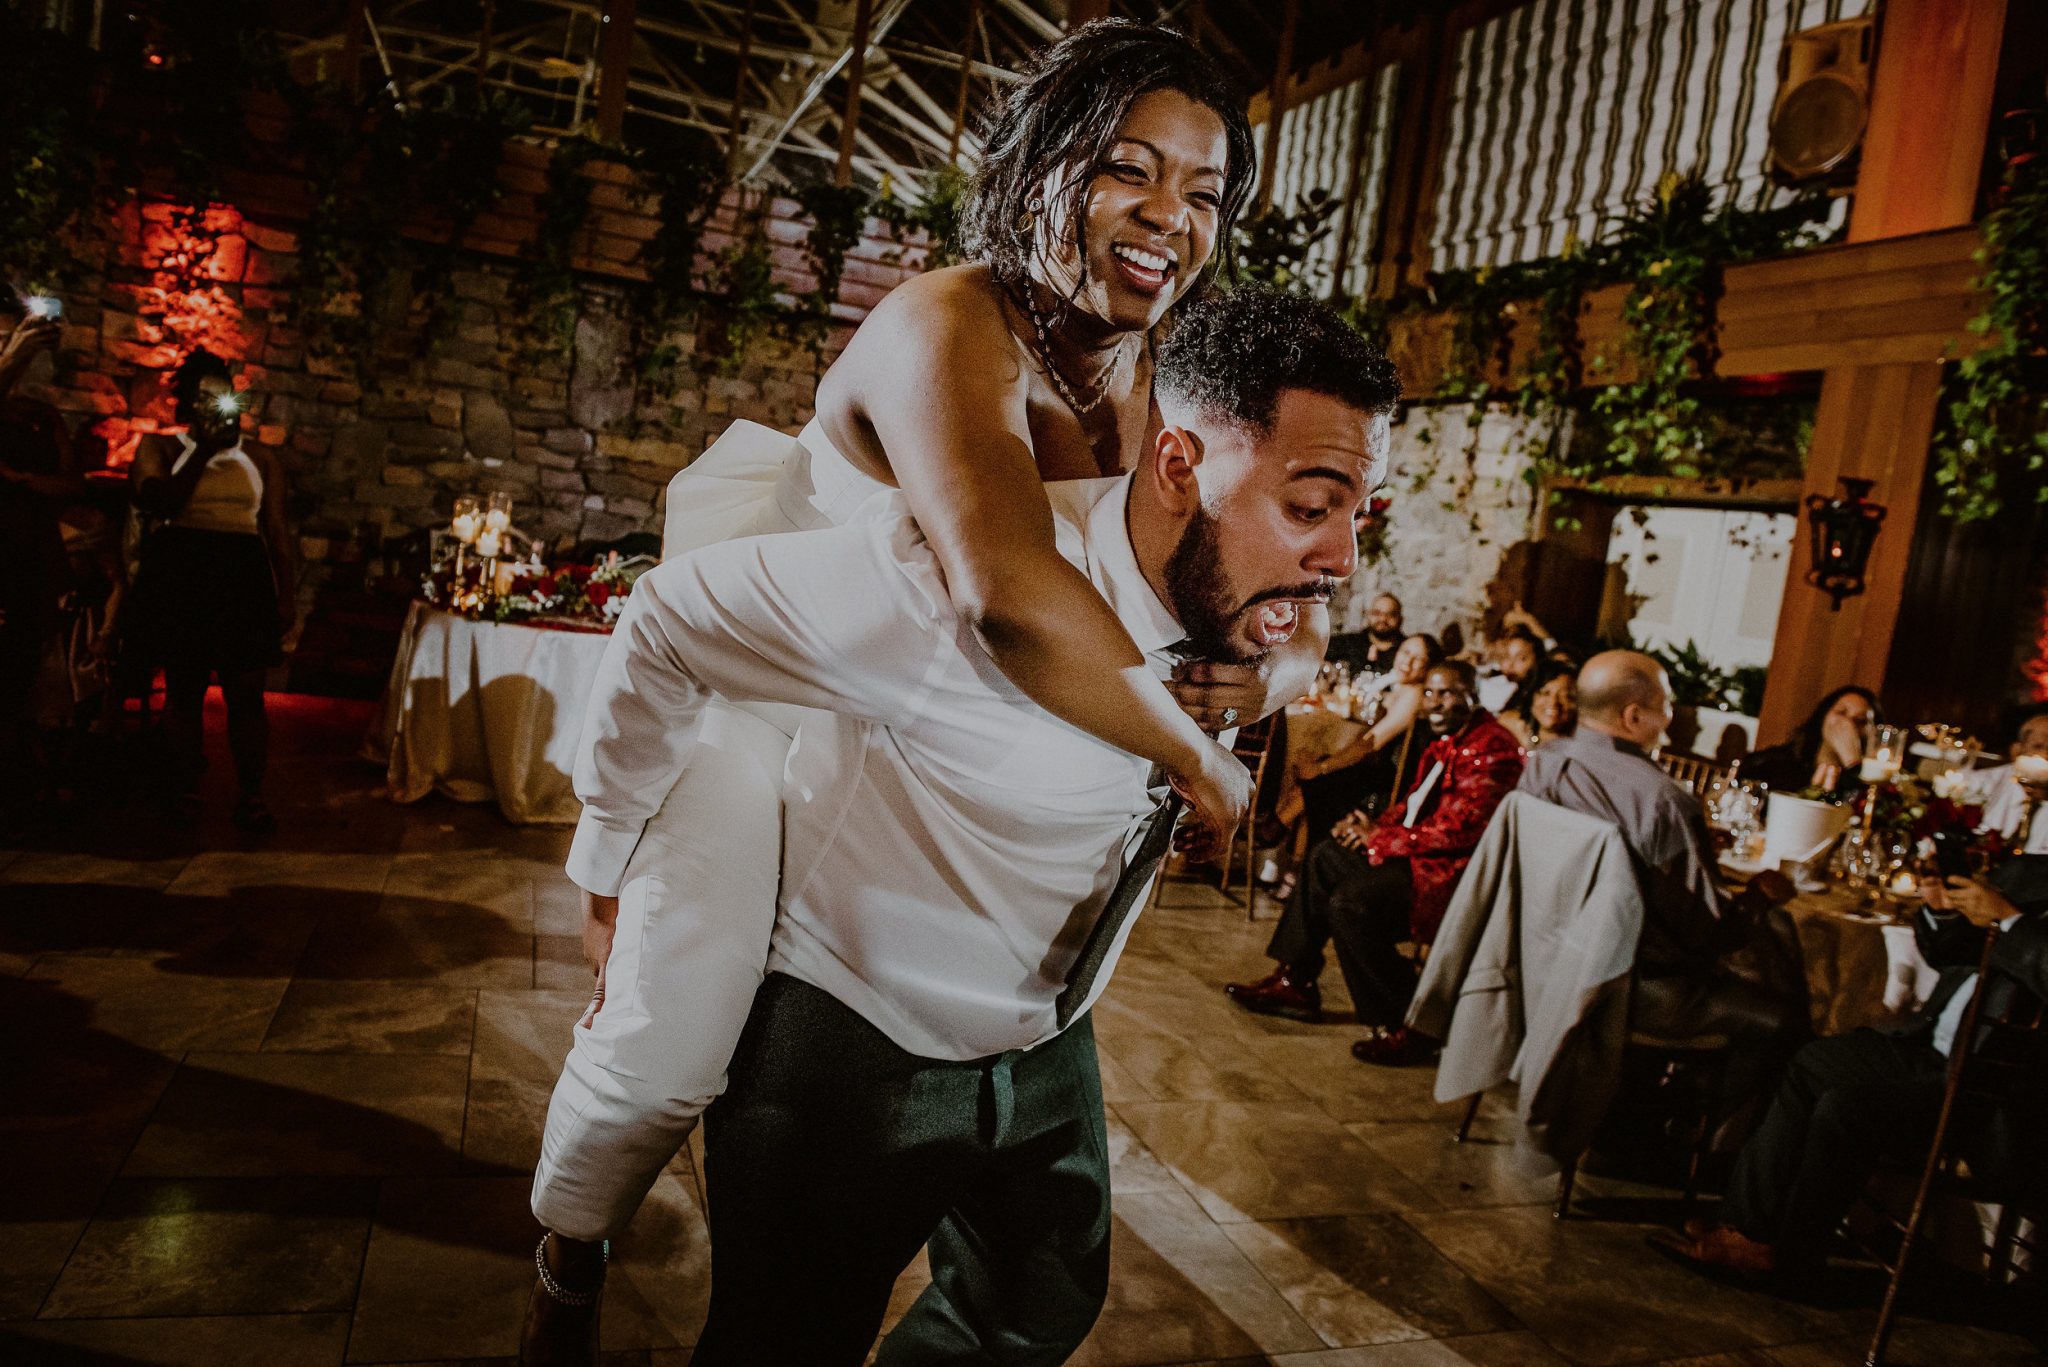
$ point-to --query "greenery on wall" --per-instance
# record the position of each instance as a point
(1993, 445)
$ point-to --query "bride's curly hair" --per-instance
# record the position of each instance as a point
(1061, 119)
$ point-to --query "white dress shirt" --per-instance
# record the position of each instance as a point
(2004, 803)
(947, 843)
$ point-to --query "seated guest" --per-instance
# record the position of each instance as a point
(1826, 749)
(1850, 1100)
(1546, 706)
(1335, 785)
(1515, 659)
(1370, 651)
(1684, 987)
(1377, 883)
(2014, 808)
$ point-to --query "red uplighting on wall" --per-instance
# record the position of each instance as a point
(2036, 669)
(190, 254)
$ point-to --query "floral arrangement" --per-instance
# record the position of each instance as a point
(1372, 532)
(589, 595)
(1923, 813)
(582, 593)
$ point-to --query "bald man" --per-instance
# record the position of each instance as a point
(1684, 987)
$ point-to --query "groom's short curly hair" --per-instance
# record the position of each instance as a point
(1232, 354)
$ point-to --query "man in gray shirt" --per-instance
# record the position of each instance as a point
(1684, 987)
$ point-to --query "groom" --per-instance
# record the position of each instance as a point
(958, 865)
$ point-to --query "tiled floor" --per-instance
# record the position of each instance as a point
(277, 1105)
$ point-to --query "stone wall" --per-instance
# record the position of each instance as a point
(1458, 506)
(456, 399)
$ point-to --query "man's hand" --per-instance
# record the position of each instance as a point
(1773, 888)
(1352, 831)
(1220, 696)
(1979, 902)
(600, 920)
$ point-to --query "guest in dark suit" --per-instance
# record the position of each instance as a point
(1851, 1100)
(1377, 883)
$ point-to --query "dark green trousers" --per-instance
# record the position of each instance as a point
(834, 1156)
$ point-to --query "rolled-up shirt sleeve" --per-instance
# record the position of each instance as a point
(848, 619)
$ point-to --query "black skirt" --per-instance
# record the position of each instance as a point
(205, 600)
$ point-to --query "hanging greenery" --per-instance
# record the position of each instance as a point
(1273, 247)
(50, 152)
(838, 213)
(937, 215)
(1673, 253)
(743, 304)
(683, 179)
(372, 169)
(1993, 445)
(546, 282)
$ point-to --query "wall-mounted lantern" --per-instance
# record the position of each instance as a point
(1844, 529)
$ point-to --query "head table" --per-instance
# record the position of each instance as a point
(487, 711)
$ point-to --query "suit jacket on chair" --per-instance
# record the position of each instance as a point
(1480, 764)
(1529, 979)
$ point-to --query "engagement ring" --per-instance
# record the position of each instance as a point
(1230, 716)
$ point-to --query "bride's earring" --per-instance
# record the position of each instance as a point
(1032, 209)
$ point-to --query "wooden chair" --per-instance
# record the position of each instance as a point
(1690, 770)
(1708, 1054)
(2002, 1068)
(1254, 749)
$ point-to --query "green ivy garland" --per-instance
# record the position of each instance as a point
(1993, 445)
(682, 181)
(546, 281)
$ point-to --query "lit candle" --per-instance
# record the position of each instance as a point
(1881, 767)
(487, 542)
(1904, 884)
(497, 519)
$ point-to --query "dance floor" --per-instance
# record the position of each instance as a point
(278, 1104)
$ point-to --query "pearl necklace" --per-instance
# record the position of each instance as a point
(1100, 384)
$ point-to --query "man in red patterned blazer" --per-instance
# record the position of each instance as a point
(1374, 884)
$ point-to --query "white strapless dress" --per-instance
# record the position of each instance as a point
(698, 905)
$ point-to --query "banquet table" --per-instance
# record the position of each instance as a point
(1842, 950)
(1314, 733)
(487, 711)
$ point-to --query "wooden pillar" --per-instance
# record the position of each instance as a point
(614, 67)
(1276, 104)
(739, 92)
(1415, 167)
(1361, 150)
(1930, 113)
(856, 75)
(352, 45)
(966, 71)
(1875, 422)
(483, 43)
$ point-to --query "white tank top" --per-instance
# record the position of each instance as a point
(229, 495)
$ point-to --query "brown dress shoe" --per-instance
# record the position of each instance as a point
(1278, 994)
(1397, 1047)
(1720, 1248)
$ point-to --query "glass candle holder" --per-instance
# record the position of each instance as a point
(498, 512)
(468, 519)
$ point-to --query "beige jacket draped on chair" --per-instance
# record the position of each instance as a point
(1529, 978)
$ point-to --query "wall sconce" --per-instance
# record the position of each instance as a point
(1844, 529)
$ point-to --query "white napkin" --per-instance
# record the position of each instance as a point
(1911, 979)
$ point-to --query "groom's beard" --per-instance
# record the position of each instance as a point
(1202, 599)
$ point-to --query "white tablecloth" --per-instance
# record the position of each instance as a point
(483, 711)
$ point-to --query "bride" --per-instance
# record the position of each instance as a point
(1112, 176)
